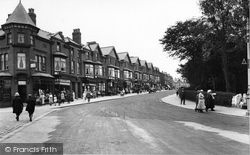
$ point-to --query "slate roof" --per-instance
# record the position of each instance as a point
(134, 59)
(122, 55)
(19, 15)
(106, 50)
(44, 34)
(143, 62)
(150, 65)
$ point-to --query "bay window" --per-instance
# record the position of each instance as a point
(60, 64)
(89, 71)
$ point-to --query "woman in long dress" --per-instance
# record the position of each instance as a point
(201, 102)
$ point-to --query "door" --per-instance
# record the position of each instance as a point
(22, 90)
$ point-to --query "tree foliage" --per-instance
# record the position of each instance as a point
(213, 45)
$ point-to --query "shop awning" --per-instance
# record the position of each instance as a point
(42, 75)
(5, 74)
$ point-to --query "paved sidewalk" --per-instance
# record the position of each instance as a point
(175, 100)
(9, 125)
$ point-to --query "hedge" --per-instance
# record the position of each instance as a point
(221, 98)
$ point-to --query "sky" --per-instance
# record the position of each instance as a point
(133, 26)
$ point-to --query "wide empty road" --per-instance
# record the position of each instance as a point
(139, 125)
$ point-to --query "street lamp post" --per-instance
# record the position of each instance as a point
(248, 59)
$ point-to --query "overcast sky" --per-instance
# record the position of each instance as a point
(133, 26)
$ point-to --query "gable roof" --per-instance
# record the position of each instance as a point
(124, 56)
(59, 36)
(20, 16)
(144, 63)
(150, 65)
(94, 47)
(135, 60)
(109, 51)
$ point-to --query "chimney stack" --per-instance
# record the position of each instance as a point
(76, 35)
(32, 15)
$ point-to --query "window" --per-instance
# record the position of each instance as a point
(87, 55)
(58, 47)
(9, 38)
(89, 70)
(32, 40)
(117, 73)
(20, 38)
(78, 55)
(4, 61)
(72, 53)
(111, 72)
(96, 57)
(40, 63)
(21, 61)
(126, 74)
(72, 67)
(60, 64)
(98, 70)
(78, 68)
(101, 86)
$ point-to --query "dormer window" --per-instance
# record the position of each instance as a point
(20, 37)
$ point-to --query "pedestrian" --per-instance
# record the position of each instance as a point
(84, 96)
(50, 99)
(62, 97)
(201, 102)
(196, 100)
(59, 99)
(31, 103)
(42, 99)
(73, 96)
(88, 96)
(209, 101)
(55, 100)
(183, 95)
(17, 105)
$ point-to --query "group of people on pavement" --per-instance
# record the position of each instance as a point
(202, 102)
(17, 102)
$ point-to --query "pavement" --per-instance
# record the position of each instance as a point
(9, 125)
(233, 111)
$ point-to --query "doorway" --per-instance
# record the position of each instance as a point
(22, 90)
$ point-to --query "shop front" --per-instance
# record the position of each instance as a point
(5, 90)
(42, 82)
(61, 85)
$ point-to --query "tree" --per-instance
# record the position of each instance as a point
(227, 19)
(185, 41)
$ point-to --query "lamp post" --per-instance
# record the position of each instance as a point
(248, 59)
